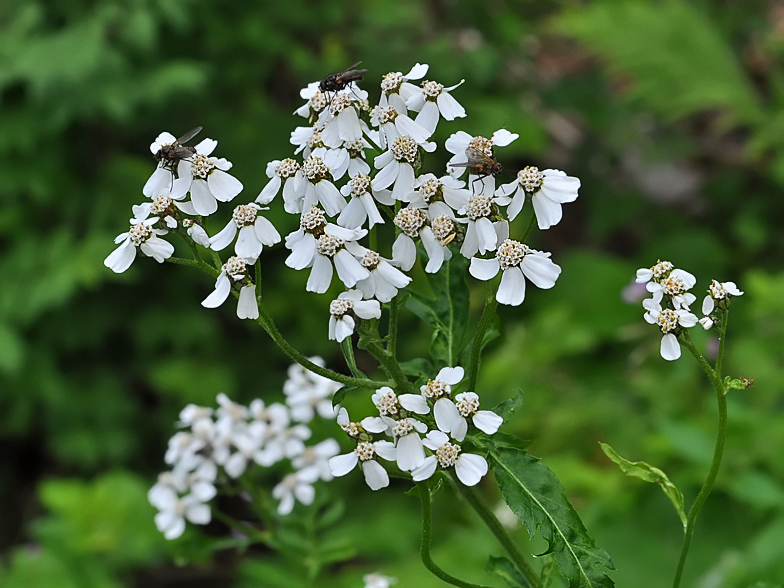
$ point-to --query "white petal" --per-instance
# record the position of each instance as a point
(410, 453)
(511, 291)
(248, 307)
(548, 212)
(343, 328)
(449, 107)
(375, 475)
(414, 403)
(266, 232)
(428, 116)
(219, 295)
(248, 246)
(223, 186)
(484, 269)
(159, 183)
(340, 465)
(270, 190)
(121, 258)
(426, 470)
(386, 450)
(350, 271)
(320, 276)
(404, 252)
(502, 138)
(470, 468)
(330, 197)
(540, 270)
(670, 348)
(204, 202)
(707, 305)
(487, 421)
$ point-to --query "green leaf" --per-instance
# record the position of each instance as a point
(503, 567)
(644, 471)
(499, 439)
(419, 367)
(509, 407)
(447, 312)
(341, 394)
(535, 495)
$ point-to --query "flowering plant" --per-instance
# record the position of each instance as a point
(428, 425)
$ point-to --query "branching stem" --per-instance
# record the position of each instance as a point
(488, 313)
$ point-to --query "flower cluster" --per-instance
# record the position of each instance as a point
(669, 306)
(215, 445)
(414, 430)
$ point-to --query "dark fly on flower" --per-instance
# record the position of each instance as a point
(335, 82)
(169, 155)
(479, 164)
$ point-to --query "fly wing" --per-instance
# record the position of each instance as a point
(347, 70)
(188, 136)
(181, 152)
(477, 157)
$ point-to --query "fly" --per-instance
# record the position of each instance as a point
(479, 164)
(169, 155)
(335, 82)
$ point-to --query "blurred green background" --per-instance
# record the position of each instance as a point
(670, 112)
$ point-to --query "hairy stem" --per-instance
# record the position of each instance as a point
(488, 313)
(530, 226)
(474, 498)
(392, 333)
(721, 398)
(427, 537)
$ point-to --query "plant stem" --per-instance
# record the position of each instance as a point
(389, 363)
(348, 353)
(488, 313)
(392, 333)
(252, 534)
(721, 398)
(427, 537)
(530, 226)
(474, 498)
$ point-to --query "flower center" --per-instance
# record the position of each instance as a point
(328, 246)
(140, 233)
(385, 114)
(530, 178)
(287, 168)
(510, 253)
(351, 429)
(435, 389)
(405, 149)
(467, 406)
(315, 169)
(479, 206)
(444, 229)
(674, 286)
(371, 260)
(314, 141)
(318, 101)
(339, 103)
(313, 220)
(365, 451)
(432, 90)
(355, 149)
(430, 190)
(387, 403)
(340, 306)
(482, 144)
(410, 221)
(244, 215)
(202, 167)
(447, 454)
(391, 82)
(161, 206)
(717, 291)
(661, 269)
(402, 428)
(667, 320)
(235, 267)
(359, 184)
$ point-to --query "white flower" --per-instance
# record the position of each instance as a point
(375, 474)
(430, 100)
(549, 189)
(162, 178)
(460, 141)
(431, 190)
(196, 232)
(350, 157)
(307, 393)
(668, 321)
(316, 101)
(396, 89)
(318, 189)
(142, 236)
(236, 269)
(200, 483)
(362, 206)
(393, 124)
(297, 485)
(341, 121)
(658, 272)
(396, 167)
(517, 261)
(288, 174)
(390, 404)
(206, 179)
(316, 459)
(483, 234)
(675, 285)
(718, 292)
(344, 308)
(174, 511)
(308, 141)
(451, 417)
(255, 232)
(410, 452)
(412, 223)
(378, 581)
(469, 467)
(384, 280)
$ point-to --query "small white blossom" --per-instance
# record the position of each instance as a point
(234, 269)
(668, 321)
(365, 453)
(413, 223)
(384, 280)
(362, 206)
(344, 308)
(141, 236)
(718, 292)
(287, 173)
(397, 90)
(255, 232)
(175, 510)
(307, 393)
(315, 459)
(482, 234)
(350, 157)
(675, 286)
(657, 273)
(452, 417)
(517, 261)
(378, 581)
(457, 144)
(206, 178)
(390, 404)
(396, 167)
(548, 189)
(392, 124)
(295, 486)
(469, 467)
(431, 190)
(430, 100)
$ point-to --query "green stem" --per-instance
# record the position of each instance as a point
(392, 334)
(474, 498)
(427, 537)
(253, 534)
(266, 322)
(348, 354)
(721, 398)
(388, 362)
(197, 263)
(530, 226)
(484, 323)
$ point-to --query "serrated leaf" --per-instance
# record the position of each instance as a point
(503, 567)
(499, 439)
(644, 471)
(535, 495)
(447, 312)
(509, 407)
